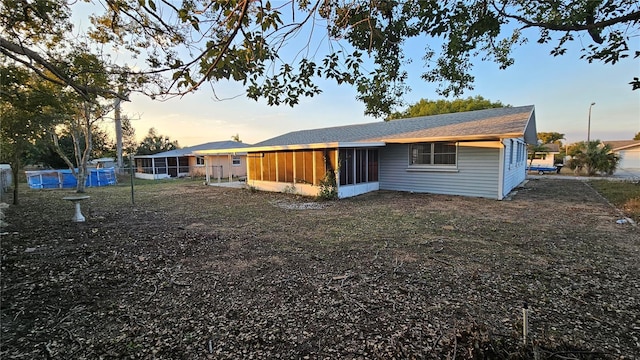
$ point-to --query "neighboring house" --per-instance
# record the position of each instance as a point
(477, 153)
(629, 152)
(184, 162)
(547, 158)
(102, 163)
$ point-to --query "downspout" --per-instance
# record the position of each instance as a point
(336, 160)
(501, 171)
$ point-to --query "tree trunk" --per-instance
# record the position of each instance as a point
(118, 122)
(15, 169)
(83, 156)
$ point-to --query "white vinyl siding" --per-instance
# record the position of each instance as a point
(476, 173)
(629, 159)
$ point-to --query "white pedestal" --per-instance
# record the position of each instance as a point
(77, 216)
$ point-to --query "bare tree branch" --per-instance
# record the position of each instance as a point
(633, 16)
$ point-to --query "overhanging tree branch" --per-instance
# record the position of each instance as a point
(12, 49)
(634, 16)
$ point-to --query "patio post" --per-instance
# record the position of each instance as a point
(206, 169)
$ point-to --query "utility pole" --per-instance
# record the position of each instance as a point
(589, 126)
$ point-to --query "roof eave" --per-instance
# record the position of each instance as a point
(625, 147)
(486, 137)
(295, 147)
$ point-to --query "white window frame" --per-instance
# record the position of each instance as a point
(199, 161)
(236, 161)
(432, 166)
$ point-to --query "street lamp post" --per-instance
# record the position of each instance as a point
(589, 125)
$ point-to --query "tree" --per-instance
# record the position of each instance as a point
(48, 155)
(28, 106)
(434, 107)
(86, 110)
(550, 137)
(276, 51)
(37, 35)
(129, 144)
(236, 138)
(594, 157)
(637, 137)
(154, 143)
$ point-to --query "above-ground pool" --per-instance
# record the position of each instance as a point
(64, 179)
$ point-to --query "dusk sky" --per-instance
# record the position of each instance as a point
(560, 88)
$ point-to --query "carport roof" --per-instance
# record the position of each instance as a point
(228, 145)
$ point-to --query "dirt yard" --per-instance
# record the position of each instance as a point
(197, 272)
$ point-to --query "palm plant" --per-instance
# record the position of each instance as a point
(593, 157)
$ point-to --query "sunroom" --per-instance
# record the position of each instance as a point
(304, 169)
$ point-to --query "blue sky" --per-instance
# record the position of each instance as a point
(561, 88)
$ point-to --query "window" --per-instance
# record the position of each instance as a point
(199, 160)
(438, 153)
(511, 151)
(346, 166)
(519, 156)
(372, 160)
(236, 161)
(303, 160)
(358, 166)
(183, 164)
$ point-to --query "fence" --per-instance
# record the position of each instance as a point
(62, 179)
(6, 177)
(198, 171)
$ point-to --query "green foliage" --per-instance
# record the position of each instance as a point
(102, 146)
(154, 143)
(328, 186)
(129, 143)
(593, 158)
(637, 136)
(550, 137)
(290, 189)
(188, 44)
(29, 107)
(625, 195)
(435, 107)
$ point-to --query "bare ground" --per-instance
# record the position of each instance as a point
(196, 272)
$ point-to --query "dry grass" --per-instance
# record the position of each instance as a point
(625, 195)
(192, 271)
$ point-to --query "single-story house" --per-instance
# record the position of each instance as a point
(101, 163)
(477, 153)
(546, 158)
(184, 162)
(629, 152)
